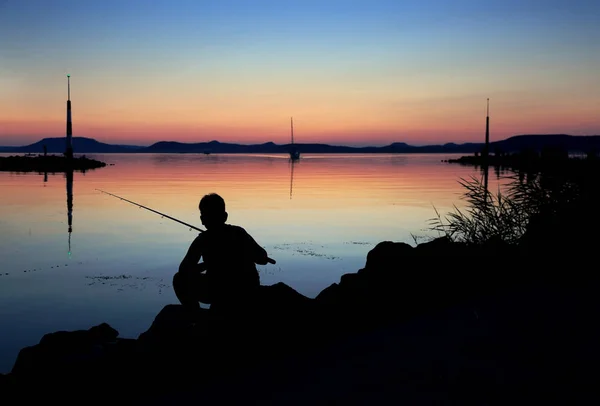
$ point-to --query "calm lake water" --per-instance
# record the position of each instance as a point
(318, 219)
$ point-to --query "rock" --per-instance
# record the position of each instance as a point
(440, 247)
(388, 254)
(284, 315)
(172, 325)
(63, 349)
(102, 333)
(277, 313)
(399, 286)
(279, 298)
(400, 282)
(382, 265)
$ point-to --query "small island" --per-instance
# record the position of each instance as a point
(527, 160)
(47, 163)
(44, 163)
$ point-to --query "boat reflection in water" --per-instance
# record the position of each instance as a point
(292, 163)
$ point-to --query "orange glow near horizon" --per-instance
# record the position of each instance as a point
(436, 124)
(324, 111)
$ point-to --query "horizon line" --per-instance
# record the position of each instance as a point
(312, 143)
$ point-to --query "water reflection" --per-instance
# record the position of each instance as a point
(292, 163)
(69, 186)
(69, 176)
(123, 258)
(500, 172)
(369, 194)
(486, 172)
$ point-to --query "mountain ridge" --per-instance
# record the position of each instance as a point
(83, 145)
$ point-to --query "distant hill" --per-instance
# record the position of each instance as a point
(512, 144)
(579, 143)
(82, 145)
(212, 147)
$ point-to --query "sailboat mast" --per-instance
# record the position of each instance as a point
(294, 153)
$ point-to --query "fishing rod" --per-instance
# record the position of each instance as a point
(154, 211)
(269, 260)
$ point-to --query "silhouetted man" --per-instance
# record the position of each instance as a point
(227, 276)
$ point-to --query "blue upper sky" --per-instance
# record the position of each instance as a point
(288, 54)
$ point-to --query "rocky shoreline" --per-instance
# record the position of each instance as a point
(47, 163)
(548, 161)
(442, 322)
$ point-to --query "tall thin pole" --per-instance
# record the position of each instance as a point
(486, 149)
(487, 131)
(292, 128)
(69, 148)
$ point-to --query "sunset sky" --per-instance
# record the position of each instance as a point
(350, 72)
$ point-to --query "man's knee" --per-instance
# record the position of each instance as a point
(179, 282)
(191, 286)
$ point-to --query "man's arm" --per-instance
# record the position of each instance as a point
(257, 253)
(191, 259)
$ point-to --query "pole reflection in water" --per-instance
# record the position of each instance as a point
(69, 176)
(486, 175)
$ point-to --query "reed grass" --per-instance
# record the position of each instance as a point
(505, 214)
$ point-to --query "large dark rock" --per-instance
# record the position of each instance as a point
(441, 247)
(174, 326)
(388, 254)
(399, 281)
(65, 364)
(402, 289)
(64, 349)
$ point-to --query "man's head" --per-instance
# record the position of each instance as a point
(212, 210)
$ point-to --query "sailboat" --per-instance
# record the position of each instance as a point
(294, 153)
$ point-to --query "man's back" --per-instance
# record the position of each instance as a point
(230, 254)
